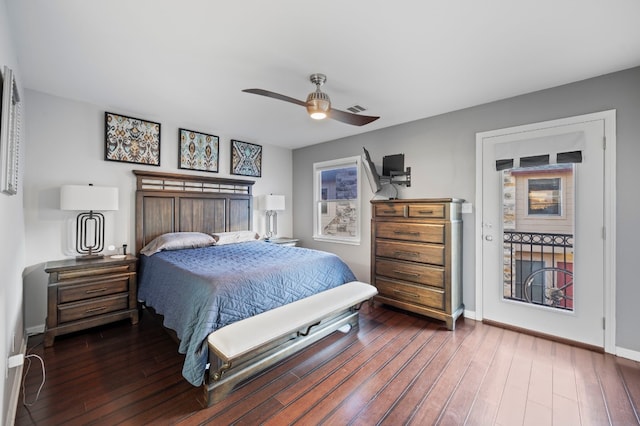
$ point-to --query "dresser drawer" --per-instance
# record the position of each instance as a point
(112, 285)
(389, 210)
(409, 271)
(431, 297)
(79, 310)
(416, 252)
(417, 210)
(417, 232)
(435, 211)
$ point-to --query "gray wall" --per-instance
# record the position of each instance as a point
(12, 254)
(441, 152)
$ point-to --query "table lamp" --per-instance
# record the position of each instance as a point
(272, 203)
(89, 200)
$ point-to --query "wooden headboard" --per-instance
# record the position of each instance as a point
(168, 202)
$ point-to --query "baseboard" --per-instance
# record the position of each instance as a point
(36, 329)
(15, 387)
(470, 314)
(628, 353)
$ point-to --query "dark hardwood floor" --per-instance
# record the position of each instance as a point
(397, 369)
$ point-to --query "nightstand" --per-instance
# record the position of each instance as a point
(284, 241)
(87, 293)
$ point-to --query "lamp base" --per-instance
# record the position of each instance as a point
(90, 257)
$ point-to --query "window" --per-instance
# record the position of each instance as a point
(545, 197)
(336, 199)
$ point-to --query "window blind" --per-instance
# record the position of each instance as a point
(566, 148)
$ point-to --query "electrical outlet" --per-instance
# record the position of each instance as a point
(15, 361)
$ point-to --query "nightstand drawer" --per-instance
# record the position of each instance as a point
(432, 297)
(76, 311)
(408, 271)
(417, 232)
(416, 252)
(92, 272)
(112, 285)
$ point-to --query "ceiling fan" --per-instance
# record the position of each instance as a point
(318, 104)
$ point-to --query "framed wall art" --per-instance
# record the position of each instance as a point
(198, 151)
(246, 159)
(131, 140)
(10, 126)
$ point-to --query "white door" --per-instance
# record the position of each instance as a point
(566, 299)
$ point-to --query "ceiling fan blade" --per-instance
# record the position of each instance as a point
(350, 118)
(275, 95)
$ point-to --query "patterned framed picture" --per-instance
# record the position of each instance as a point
(198, 151)
(131, 140)
(246, 159)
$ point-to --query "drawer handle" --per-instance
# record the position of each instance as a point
(389, 211)
(407, 253)
(97, 290)
(408, 274)
(91, 311)
(406, 233)
(425, 211)
(405, 293)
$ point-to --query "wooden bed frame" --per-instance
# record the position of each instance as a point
(167, 202)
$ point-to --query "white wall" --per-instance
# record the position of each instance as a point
(441, 152)
(12, 252)
(66, 140)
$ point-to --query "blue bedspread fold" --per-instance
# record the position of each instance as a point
(200, 290)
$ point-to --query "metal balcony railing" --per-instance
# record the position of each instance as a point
(538, 268)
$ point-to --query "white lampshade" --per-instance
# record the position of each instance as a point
(272, 202)
(88, 198)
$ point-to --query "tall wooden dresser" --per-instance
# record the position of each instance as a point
(416, 256)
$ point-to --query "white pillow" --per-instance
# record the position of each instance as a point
(235, 237)
(177, 241)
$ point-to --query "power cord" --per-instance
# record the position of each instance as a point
(24, 379)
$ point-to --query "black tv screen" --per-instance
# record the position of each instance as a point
(392, 163)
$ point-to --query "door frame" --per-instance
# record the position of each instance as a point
(609, 231)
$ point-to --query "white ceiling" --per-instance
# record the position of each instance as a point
(186, 61)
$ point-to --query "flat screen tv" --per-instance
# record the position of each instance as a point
(372, 173)
(392, 164)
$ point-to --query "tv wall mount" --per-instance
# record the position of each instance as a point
(398, 178)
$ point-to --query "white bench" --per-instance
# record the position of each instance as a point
(239, 350)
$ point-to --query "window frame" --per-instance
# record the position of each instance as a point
(319, 202)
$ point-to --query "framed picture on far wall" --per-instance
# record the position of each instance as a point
(198, 151)
(246, 159)
(131, 140)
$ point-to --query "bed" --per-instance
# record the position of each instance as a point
(199, 286)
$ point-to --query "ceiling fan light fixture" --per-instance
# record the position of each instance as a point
(318, 105)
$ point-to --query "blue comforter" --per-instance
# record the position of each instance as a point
(200, 290)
